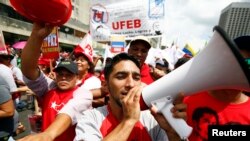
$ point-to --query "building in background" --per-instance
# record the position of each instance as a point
(235, 19)
(16, 28)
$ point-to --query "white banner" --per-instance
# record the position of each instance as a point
(126, 17)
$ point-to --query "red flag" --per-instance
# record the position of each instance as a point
(85, 47)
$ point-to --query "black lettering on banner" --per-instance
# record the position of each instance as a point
(229, 132)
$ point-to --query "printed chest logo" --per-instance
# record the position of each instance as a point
(56, 107)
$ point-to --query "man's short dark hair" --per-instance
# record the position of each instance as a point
(199, 112)
(243, 42)
(181, 61)
(116, 59)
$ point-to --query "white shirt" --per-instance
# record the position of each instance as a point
(6, 74)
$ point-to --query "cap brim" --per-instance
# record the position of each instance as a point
(136, 40)
(77, 54)
(62, 67)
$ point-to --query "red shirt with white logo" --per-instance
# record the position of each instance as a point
(52, 103)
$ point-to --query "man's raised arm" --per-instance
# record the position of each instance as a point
(32, 49)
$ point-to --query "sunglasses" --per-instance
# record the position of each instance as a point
(248, 62)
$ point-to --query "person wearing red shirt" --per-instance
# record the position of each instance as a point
(53, 95)
(139, 48)
(122, 119)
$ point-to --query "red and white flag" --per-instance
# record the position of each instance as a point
(85, 47)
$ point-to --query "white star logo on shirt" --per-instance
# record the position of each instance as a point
(53, 105)
(56, 107)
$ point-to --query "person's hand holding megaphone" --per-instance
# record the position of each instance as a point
(178, 111)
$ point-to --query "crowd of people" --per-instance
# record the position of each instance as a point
(76, 104)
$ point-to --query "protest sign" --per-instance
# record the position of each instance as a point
(50, 45)
(126, 17)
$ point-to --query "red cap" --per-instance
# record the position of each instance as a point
(84, 51)
(43, 61)
(54, 12)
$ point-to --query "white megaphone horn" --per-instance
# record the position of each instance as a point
(218, 66)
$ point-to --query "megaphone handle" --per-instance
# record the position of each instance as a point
(179, 125)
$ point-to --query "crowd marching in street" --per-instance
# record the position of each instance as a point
(77, 99)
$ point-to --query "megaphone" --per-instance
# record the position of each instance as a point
(53, 12)
(218, 66)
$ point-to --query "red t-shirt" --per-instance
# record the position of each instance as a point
(204, 110)
(145, 74)
(139, 133)
(52, 103)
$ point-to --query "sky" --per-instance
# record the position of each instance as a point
(192, 21)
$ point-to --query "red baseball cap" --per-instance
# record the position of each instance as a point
(54, 12)
(43, 61)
